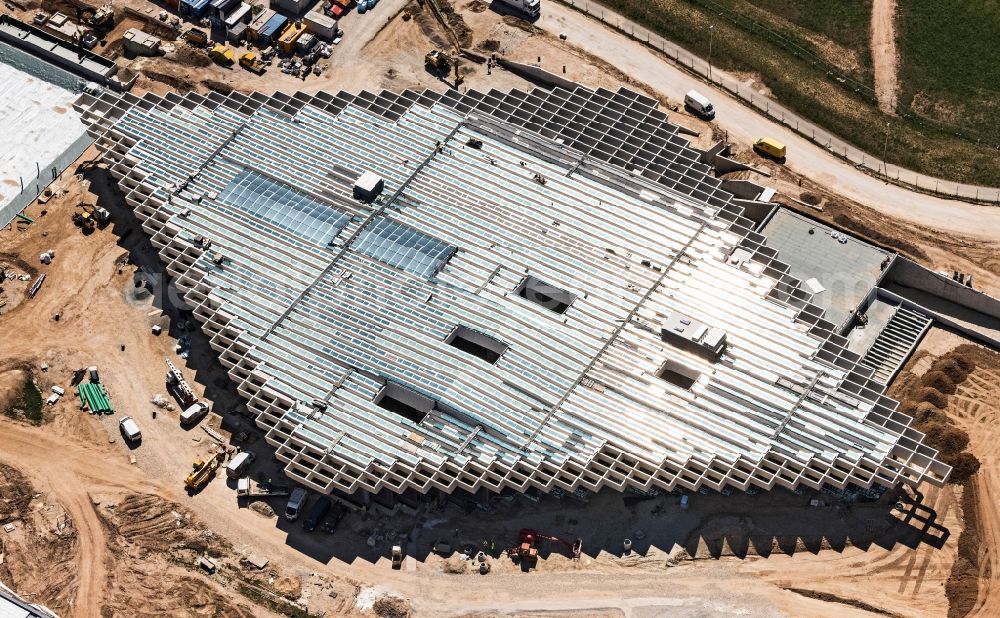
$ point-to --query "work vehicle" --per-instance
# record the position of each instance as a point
(177, 385)
(397, 557)
(252, 63)
(89, 216)
(526, 553)
(699, 104)
(238, 464)
(770, 147)
(329, 523)
(194, 413)
(437, 62)
(249, 488)
(102, 18)
(531, 9)
(130, 429)
(202, 471)
(196, 37)
(296, 502)
(317, 511)
(85, 221)
(221, 54)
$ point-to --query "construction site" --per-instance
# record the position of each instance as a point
(440, 312)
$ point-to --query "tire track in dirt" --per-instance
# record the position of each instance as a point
(64, 477)
(977, 402)
(884, 57)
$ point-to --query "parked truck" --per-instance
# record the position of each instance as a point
(530, 9)
(196, 37)
(252, 63)
(249, 488)
(221, 54)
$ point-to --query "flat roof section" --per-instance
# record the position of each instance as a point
(494, 318)
(838, 269)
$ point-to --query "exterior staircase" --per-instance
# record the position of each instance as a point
(895, 343)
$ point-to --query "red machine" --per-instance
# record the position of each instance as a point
(527, 551)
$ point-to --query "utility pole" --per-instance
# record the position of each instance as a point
(711, 38)
(885, 166)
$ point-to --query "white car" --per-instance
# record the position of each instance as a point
(296, 503)
(194, 413)
(130, 429)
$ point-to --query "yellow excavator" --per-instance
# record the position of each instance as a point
(88, 217)
(437, 62)
(201, 472)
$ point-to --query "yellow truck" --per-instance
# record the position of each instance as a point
(252, 63)
(770, 147)
(221, 54)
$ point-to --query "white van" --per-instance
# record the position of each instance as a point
(194, 413)
(238, 464)
(296, 503)
(129, 429)
(699, 104)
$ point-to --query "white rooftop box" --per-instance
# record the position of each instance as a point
(693, 335)
(368, 186)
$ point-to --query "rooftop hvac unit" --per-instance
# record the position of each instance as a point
(368, 186)
(694, 336)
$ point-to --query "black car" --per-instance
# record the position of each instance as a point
(336, 514)
(316, 513)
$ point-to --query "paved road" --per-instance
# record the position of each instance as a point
(744, 125)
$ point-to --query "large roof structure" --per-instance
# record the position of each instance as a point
(550, 290)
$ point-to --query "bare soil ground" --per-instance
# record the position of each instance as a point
(135, 533)
(884, 58)
(806, 561)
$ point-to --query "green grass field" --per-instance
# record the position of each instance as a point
(950, 63)
(804, 86)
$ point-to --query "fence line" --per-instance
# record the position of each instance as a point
(33, 187)
(865, 162)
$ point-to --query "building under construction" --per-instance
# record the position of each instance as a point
(497, 290)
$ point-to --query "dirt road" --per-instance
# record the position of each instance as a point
(69, 479)
(744, 125)
(883, 43)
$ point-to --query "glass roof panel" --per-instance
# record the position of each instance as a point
(403, 247)
(281, 205)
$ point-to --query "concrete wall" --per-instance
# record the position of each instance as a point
(80, 61)
(537, 75)
(743, 188)
(912, 275)
(48, 173)
(758, 212)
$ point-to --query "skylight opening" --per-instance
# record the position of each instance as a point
(477, 344)
(404, 401)
(678, 374)
(552, 298)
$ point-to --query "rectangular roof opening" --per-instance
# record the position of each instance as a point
(552, 298)
(678, 374)
(403, 401)
(477, 344)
